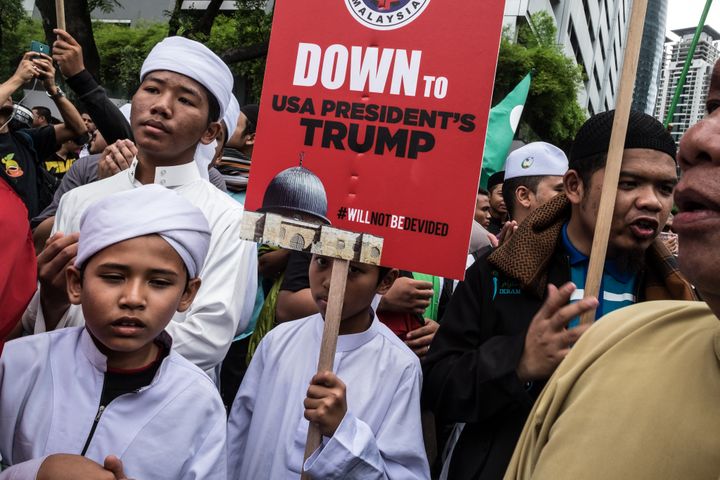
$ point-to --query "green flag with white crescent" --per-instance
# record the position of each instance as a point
(502, 123)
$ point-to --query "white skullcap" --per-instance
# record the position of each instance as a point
(192, 59)
(150, 209)
(231, 116)
(536, 159)
(125, 110)
(204, 155)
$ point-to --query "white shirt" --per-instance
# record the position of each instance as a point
(223, 305)
(50, 388)
(380, 436)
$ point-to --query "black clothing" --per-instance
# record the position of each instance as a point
(469, 372)
(119, 382)
(107, 117)
(233, 371)
(20, 156)
(495, 226)
(296, 273)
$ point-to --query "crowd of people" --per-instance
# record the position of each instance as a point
(142, 338)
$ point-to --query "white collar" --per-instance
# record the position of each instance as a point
(174, 176)
(350, 341)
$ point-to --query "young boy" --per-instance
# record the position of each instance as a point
(115, 386)
(370, 420)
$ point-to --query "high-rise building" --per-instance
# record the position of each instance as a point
(651, 56)
(594, 33)
(691, 104)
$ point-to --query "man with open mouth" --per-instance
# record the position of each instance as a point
(516, 315)
(637, 397)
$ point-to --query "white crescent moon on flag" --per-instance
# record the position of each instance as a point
(515, 116)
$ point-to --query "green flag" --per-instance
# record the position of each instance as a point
(502, 123)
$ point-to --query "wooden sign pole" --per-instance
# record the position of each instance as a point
(615, 154)
(333, 315)
(60, 14)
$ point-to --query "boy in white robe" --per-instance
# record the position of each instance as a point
(185, 89)
(368, 411)
(114, 386)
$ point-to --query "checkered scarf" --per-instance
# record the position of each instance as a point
(527, 254)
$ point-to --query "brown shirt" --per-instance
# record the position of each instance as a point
(638, 397)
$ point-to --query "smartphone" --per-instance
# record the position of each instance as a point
(39, 47)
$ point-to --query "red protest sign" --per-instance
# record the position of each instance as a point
(388, 101)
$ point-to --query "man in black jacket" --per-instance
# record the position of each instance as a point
(508, 325)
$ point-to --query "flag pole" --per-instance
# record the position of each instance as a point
(328, 345)
(686, 67)
(60, 14)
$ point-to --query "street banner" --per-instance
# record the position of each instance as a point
(382, 105)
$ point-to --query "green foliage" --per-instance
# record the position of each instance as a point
(105, 6)
(248, 26)
(122, 51)
(16, 41)
(551, 112)
(11, 12)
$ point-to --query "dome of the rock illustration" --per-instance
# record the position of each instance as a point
(296, 189)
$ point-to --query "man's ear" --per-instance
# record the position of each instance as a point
(191, 289)
(73, 278)
(250, 139)
(211, 133)
(522, 196)
(387, 281)
(574, 187)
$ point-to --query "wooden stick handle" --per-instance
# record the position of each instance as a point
(615, 154)
(60, 14)
(333, 316)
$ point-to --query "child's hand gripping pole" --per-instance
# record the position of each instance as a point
(333, 315)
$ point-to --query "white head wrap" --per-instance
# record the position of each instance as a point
(194, 60)
(537, 158)
(125, 110)
(204, 154)
(231, 116)
(150, 209)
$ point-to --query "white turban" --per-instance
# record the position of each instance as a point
(194, 60)
(150, 209)
(125, 110)
(231, 116)
(205, 154)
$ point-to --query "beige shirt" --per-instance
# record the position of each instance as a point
(638, 397)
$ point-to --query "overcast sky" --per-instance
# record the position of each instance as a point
(686, 13)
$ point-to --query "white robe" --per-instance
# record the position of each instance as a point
(50, 387)
(223, 305)
(380, 436)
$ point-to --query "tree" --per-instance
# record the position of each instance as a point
(551, 113)
(123, 51)
(196, 24)
(11, 13)
(241, 39)
(16, 41)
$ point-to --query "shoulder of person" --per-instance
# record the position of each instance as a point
(182, 373)
(30, 348)
(286, 335)
(215, 203)
(401, 352)
(664, 318)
